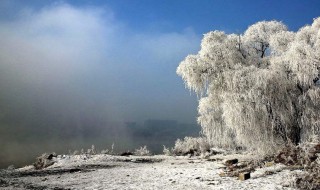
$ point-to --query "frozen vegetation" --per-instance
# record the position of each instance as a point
(258, 90)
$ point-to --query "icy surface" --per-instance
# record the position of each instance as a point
(148, 172)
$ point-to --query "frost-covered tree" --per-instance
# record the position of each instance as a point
(259, 89)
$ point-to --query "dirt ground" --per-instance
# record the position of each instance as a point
(150, 172)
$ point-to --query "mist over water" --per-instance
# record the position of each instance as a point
(71, 77)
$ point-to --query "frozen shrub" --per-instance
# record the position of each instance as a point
(107, 151)
(166, 151)
(142, 151)
(305, 155)
(11, 167)
(191, 146)
(91, 150)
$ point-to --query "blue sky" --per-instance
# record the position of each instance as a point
(206, 15)
(117, 58)
(202, 16)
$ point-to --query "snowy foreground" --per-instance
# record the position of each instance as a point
(147, 172)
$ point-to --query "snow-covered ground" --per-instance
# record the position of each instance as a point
(149, 172)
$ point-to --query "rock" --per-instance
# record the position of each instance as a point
(222, 174)
(269, 172)
(214, 183)
(231, 162)
(51, 156)
(317, 148)
(45, 160)
(244, 176)
(126, 153)
(268, 164)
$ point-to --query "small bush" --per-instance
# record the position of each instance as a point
(142, 151)
(92, 150)
(11, 167)
(191, 146)
(166, 151)
(309, 158)
(107, 151)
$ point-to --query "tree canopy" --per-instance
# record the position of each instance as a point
(259, 89)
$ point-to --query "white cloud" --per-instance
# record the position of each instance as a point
(55, 41)
(87, 54)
